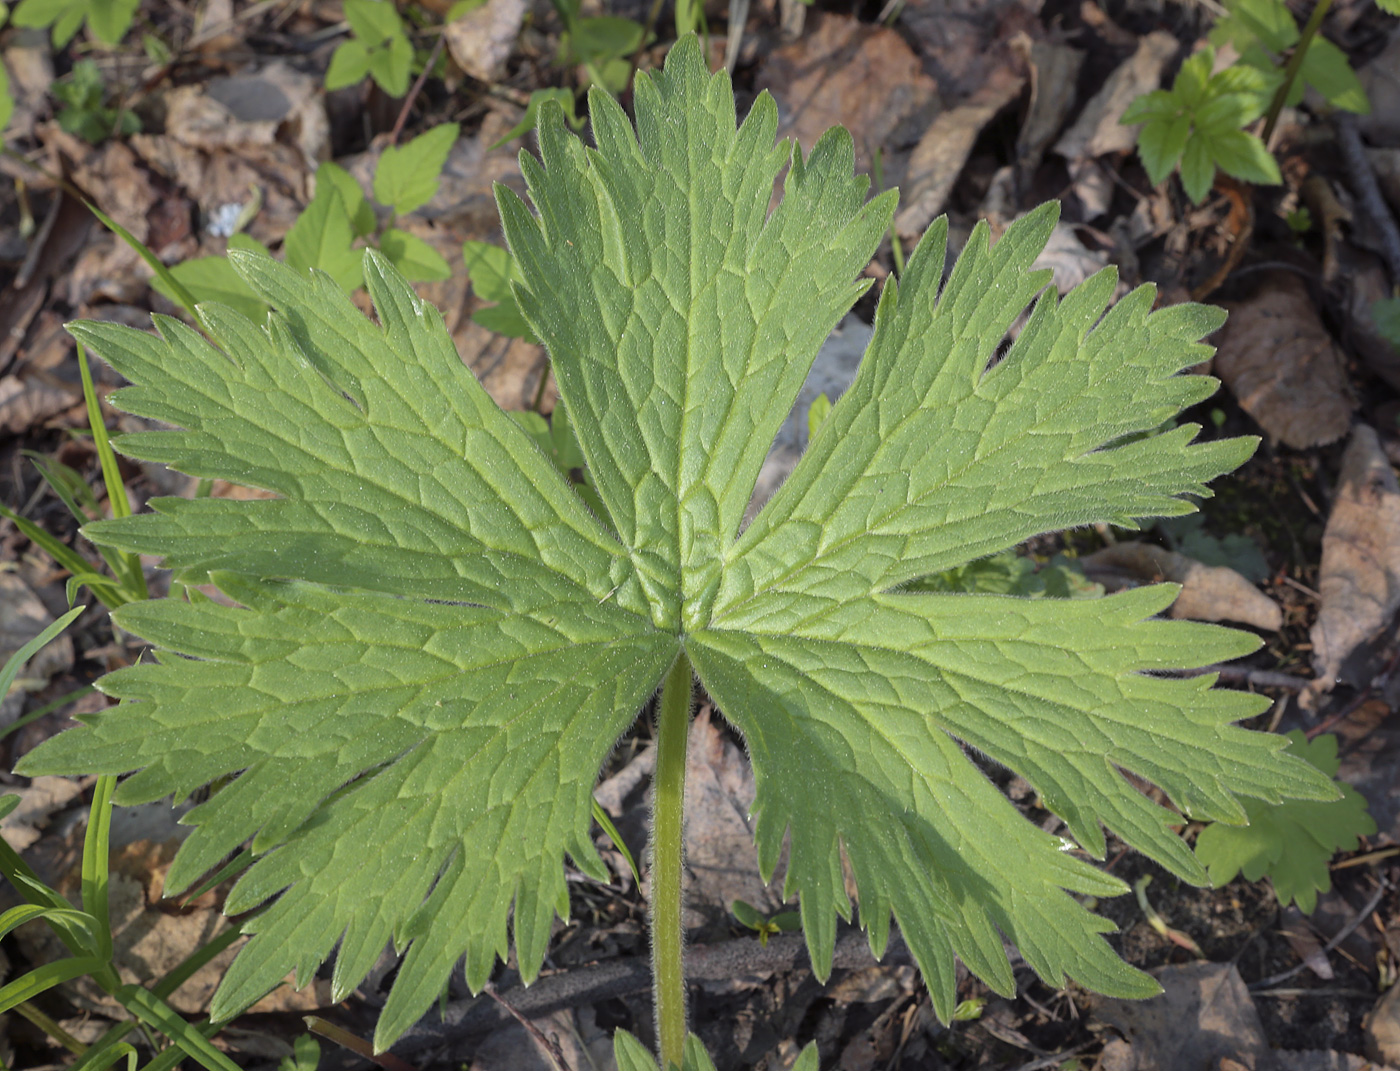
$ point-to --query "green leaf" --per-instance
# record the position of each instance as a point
(1245, 157)
(415, 258)
(1197, 169)
(491, 271)
(1386, 313)
(407, 175)
(1160, 144)
(565, 97)
(1392, 6)
(434, 642)
(605, 37)
(7, 102)
(391, 65)
(323, 237)
(349, 65)
(374, 21)
(1326, 69)
(357, 206)
(213, 279)
(1292, 842)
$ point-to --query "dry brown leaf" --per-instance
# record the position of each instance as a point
(1305, 944)
(1380, 77)
(1069, 258)
(26, 401)
(40, 799)
(1203, 1015)
(1279, 361)
(963, 41)
(481, 41)
(939, 157)
(1382, 1027)
(275, 104)
(1054, 70)
(24, 618)
(1208, 592)
(847, 72)
(1360, 576)
(721, 860)
(1098, 131)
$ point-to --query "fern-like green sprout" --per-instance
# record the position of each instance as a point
(437, 641)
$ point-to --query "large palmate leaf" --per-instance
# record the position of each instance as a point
(436, 641)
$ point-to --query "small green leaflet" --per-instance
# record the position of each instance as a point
(107, 19)
(406, 176)
(1264, 31)
(323, 237)
(491, 271)
(213, 279)
(1198, 122)
(436, 641)
(379, 48)
(1293, 841)
(631, 1055)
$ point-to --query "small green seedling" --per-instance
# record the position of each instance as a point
(327, 235)
(765, 926)
(85, 112)
(1199, 123)
(1265, 34)
(565, 98)
(434, 641)
(107, 19)
(492, 271)
(602, 44)
(378, 47)
(1291, 843)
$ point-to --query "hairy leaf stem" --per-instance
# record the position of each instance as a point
(667, 858)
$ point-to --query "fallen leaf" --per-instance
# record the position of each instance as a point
(963, 41)
(720, 858)
(1380, 78)
(276, 103)
(1070, 259)
(29, 400)
(1054, 71)
(1208, 592)
(1367, 282)
(1382, 1027)
(480, 42)
(1204, 1014)
(1282, 365)
(1386, 164)
(863, 77)
(39, 800)
(24, 618)
(1360, 576)
(1098, 131)
(939, 157)
(1304, 942)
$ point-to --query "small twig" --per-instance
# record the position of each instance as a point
(1294, 66)
(1342, 934)
(549, 1045)
(1051, 1059)
(1377, 685)
(416, 89)
(1259, 678)
(1368, 193)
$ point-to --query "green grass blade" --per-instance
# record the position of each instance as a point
(154, 1012)
(29, 650)
(44, 978)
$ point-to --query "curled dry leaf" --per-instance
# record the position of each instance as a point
(1054, 70)
(844, 72)
(1360, 577)
(1282, 365)
(480, 42)
(939, 157)
(1208, 592)
(1097, 131)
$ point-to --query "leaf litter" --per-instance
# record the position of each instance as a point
(960, 50)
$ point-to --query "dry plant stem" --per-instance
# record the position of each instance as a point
(1295, 64)
(1341, 935)
(667, 860)
(549, 1045)
(1368, 192)
(416, 88)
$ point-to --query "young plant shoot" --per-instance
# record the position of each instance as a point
(437, 642)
